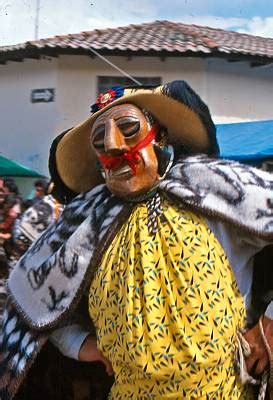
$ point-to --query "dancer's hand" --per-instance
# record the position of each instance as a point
(258, 360)
(89, 352)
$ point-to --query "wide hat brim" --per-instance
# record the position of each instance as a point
(175, 106)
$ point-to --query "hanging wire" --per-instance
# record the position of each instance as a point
(36, 35)
(115, 67)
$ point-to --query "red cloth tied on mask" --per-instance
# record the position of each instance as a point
(132, 156)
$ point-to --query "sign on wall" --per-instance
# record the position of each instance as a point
(42, 95)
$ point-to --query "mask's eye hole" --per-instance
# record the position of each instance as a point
(98, 138)
(128, 126)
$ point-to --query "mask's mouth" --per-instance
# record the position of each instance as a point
(129, 158)
(121, 171)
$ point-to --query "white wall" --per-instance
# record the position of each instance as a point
(26, 186)
(77, 80)
(237, 92)
(25, 126)
(233, 91)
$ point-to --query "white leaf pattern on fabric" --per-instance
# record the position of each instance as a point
(10, 326)
(13, 338)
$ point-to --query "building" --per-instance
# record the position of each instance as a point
(48, 85)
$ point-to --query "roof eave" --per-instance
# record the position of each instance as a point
(32, 52)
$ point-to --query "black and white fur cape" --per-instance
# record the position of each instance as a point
(47, 284)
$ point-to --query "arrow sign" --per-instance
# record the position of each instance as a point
(42, 95)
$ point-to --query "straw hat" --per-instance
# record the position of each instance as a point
(175, 106)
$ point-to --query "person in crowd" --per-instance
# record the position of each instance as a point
(32, 222)
(7, 218)
(10, 212)
(2, 193)
(41, 188)
(12, 189)
(159, 239)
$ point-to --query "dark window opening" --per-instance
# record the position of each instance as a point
(106, 82)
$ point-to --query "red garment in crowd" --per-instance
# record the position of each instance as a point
(8, 221)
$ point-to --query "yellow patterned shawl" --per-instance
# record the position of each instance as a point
(167, 309)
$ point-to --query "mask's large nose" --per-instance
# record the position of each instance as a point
(114, 142)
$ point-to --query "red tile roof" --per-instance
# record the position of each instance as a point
(155, 38)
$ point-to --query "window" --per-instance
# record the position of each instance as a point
(106, 82)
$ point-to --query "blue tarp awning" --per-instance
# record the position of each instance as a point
(246, 141)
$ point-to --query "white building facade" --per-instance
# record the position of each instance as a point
(68, 84)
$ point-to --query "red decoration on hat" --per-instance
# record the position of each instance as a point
(105, 98)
